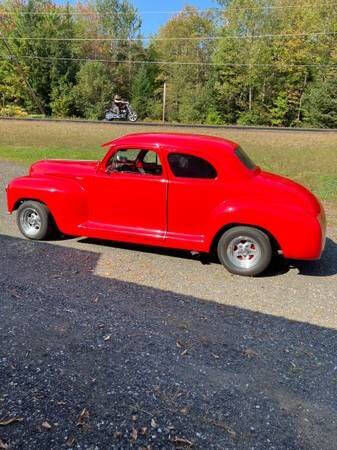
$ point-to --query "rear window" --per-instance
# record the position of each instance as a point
(244, 158)
(189, 166)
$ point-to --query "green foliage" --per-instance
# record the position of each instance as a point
(143, 90)
(320, 104)
(279, 80)
(251, 118)
(213, 118)
(280, 110)
(13, 111)
(63, 101)
(93, 91)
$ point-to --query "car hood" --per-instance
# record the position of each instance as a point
(63, 168)
(278, 189)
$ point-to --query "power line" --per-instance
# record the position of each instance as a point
(183, 63)
(193, 38)
(143, 13)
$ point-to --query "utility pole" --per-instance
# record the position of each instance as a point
(164, 102)
(12, 56)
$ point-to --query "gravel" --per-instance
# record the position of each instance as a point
(119, 346)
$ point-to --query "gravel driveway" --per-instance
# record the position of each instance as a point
(115, 346)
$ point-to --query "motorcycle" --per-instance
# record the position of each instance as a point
(124, 112)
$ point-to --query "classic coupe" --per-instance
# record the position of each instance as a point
(184, 191)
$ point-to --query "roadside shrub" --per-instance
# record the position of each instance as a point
(13, 111)
(213, 118)
(250, 118)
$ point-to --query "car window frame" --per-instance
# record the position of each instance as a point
(195, 155)
(142, 150)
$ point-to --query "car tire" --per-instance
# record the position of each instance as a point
(33, 220)
(245, 251)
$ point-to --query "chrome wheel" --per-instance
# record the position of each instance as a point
(133, 117)
(30, 222)
(244, 252)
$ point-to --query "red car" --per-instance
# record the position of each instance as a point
(183, 191)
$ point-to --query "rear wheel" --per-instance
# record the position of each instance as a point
(33, 220)
(245, 251)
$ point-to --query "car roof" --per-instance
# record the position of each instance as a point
(182, 140)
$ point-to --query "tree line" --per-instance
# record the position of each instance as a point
(249, 62)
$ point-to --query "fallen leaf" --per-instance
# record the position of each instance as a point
(154, 424)
(178, 344)
(225, 427)
(118, 435)
(14, 293)
(134, 434)
(46, 425)
(143, 431)
(3, 444)
(183, 441)
(249, 352)
(96, 300)
(82, 418)
(107, 337)
(134, 418)
(184, 353)
(70, 442)
(184, 411)
(4, 422)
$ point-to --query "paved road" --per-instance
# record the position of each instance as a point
(162, 349)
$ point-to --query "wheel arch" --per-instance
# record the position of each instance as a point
(19, 202)
(214, 243)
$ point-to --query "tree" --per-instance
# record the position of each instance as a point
(320, 103)
(185, 61)
(33, 35)
(93, 90)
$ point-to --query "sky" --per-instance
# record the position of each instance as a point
(151, 22)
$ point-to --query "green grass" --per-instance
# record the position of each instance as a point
(309, 158)
(28, 155)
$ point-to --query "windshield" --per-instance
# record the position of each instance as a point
(244, 158)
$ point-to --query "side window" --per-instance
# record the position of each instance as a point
(151, 158)
(189, 166)
(135, 161)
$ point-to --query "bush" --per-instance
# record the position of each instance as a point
(250, 118)
(93, 91)
(320, 104)
(213, 118)
(13, 111)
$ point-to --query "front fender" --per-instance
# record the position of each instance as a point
(297, 231)
(66, 199)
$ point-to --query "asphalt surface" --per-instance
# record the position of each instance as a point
(116, 346)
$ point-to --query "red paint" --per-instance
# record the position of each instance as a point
(169, 211)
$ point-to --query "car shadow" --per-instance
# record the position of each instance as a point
(133, 357)
(325, 267)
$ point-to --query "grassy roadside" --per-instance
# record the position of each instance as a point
(309, 158)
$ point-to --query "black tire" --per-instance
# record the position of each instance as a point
(30, 212)
(239, 246)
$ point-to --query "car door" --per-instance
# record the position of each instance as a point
(130, 194)
(193, 195)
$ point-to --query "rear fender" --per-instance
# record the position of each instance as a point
(296, 231)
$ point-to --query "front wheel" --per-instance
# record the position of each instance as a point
(132, 116)
(33, 220)
(245, 251)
